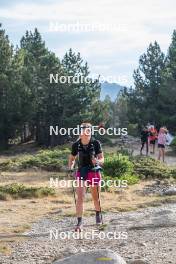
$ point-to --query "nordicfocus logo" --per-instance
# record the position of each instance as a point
(76, 131)
(57, 183)
(79, 79)
(77, 27)
(91, 235)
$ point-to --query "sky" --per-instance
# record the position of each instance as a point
(110, 34)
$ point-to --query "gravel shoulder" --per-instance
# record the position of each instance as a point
(151, 236)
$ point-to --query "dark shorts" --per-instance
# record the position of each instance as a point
(143, 141)
(161, 146)
(152, 142)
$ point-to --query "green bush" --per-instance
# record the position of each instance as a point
(130, 178)
(173, 144)
(16, 191)
(125, 151)
(147, 167)
(117, 165)
(132, 169)
(52, 159)
(173, 173)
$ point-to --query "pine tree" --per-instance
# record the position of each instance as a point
(6, 93)
(167, 93)
(143, 99)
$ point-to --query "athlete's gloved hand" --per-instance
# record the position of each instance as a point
(71, 170)
(95, 161)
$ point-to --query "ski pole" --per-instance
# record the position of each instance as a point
(73, 189)
(74, 194)
(98, 195)
(99, 204)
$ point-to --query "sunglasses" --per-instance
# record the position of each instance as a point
(84, 127)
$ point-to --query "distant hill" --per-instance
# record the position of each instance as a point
(111, 89)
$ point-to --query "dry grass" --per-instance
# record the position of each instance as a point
(18, 215)
(32, 177)
(4, 248)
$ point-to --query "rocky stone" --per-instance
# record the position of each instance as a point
(123, 244)
(71, 250)
(138, 261)
(95, 256)
(141, 244)
(170, 191)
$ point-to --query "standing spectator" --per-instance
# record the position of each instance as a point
(144, 139)
(162, 138)
(152, 138)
